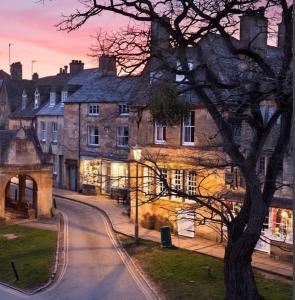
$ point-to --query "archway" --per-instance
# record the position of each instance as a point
(21, 198)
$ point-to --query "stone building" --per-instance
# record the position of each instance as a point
(22, 162)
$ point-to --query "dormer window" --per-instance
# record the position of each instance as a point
(52, 99)
(180, 77)
(64, 96)
(24, 100)
(123, 109)
(37, 99)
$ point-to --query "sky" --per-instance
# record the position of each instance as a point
(29, 26)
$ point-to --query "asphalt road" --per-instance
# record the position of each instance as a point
(95, 268)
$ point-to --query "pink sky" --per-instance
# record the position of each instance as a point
(29, 26)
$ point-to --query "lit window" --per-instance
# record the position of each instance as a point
(180, 78)
(188, 127)
(161, 182)
(160, 134)
(177, 181)
(147, 181)
(54, 164)
(191, 183)
(54, 132)
(122, 136)
(43, 131)
(123, 109)
(93, 136)
(93, 109)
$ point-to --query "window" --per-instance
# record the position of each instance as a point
(93, 136)
(236, 127)
(160, 134)
(188, 127)
(54, 132)
(261, 165)
(93, 109)
(37, 99)
(179, 77)
(123, 109)
(43, 131)
(177, 181)
(24, 100)
(64, 97)
(52, 99)
(161, 186)
(119, 173)
(20, 146)
(147, 181)
(191, 183)
(122, 136)
(54, 164)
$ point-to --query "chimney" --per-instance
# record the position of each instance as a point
(76, 66)
(253, 30)
(66, 69)
(35, 77)
(107, 65)
(16, 71)
(159, 36)
(281, 34)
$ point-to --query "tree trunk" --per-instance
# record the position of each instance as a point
(238, 273)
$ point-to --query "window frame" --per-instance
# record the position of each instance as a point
(123, 112)
(164, 134)
(191, 127)
(92, 135)
(93, 113)
(54, 127)
(55, 165)
(123, 136)
(43, 131)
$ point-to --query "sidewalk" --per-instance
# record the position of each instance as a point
(122, 224)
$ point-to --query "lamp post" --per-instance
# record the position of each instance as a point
(136, 151)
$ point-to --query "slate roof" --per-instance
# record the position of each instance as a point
(47, 110)
(105, 89)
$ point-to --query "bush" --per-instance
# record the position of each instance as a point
(156, 222)
(148, 221)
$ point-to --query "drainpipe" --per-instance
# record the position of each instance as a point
(79, 149)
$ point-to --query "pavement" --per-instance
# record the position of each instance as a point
(261, 261)
(95, 267)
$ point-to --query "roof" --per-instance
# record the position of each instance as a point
(4, 75)
(83, 76)
(47, 110)
(105, 89)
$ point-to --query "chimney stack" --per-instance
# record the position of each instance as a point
(76, 66)
(35, 77)
(107, 65)
(281, 34)
(253, 30)
(16, 71)
(159, 37)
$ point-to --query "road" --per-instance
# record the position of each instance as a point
(94, 268)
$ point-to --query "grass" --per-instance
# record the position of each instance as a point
(180, 274)
(32, 252)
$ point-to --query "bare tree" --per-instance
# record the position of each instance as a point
(229, 78)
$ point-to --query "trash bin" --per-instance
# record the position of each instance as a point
(166, 237)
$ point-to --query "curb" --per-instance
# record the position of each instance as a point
(52, 273)
(134, 264)
(119, 232)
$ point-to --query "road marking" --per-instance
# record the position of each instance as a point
(144, 287)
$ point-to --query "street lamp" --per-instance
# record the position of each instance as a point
(136, 151)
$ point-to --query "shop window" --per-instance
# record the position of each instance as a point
(282, 225)
(119, 175)
(147, 180)
(91, 172)
(161, 182)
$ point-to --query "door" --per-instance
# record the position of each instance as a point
(185, 223)
(73, 178)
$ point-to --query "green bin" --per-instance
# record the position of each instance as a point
(166, 237)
